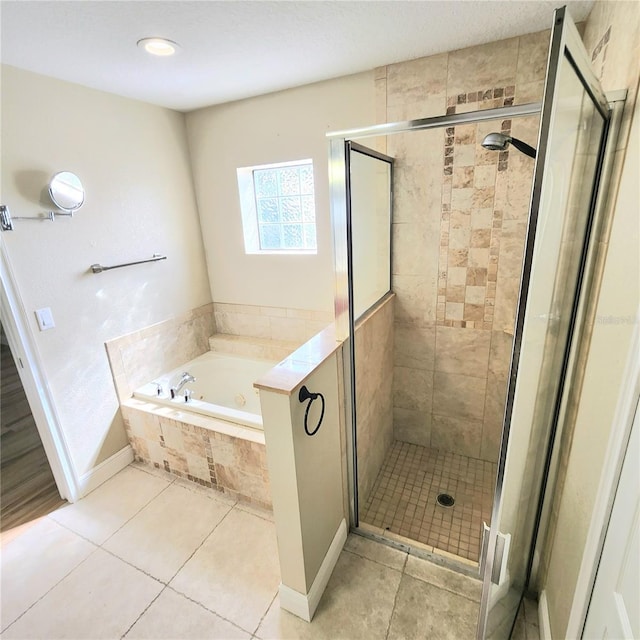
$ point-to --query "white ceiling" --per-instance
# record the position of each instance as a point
(238, 48)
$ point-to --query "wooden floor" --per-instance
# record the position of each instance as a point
(27, 487)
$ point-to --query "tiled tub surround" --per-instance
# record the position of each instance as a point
(374, 391)
(262, 348)
(210, 452)
(272, 323)
(207, 450)
(138, 357)
(213, 447)
(458, 236)
(271, 333)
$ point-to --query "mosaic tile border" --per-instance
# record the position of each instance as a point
(231, 465)
(470, 227)
(482, 99)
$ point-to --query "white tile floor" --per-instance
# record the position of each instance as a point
(149, 556)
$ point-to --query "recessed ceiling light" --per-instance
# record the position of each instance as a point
(158, 46)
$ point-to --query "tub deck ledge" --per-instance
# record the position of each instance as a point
(287, 375)
(205, 422)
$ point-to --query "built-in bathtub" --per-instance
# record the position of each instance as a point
(215, 439)
(223, 388)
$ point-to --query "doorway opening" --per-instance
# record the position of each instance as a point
(28, 489)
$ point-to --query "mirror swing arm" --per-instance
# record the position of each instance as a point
(48, 215)
(66, 193)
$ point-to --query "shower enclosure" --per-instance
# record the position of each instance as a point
(431, 349)
(458, 295)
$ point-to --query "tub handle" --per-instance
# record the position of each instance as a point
(303, 395)
(159, 389)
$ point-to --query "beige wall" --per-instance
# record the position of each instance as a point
(459, 225)
(612, 38)
(289, 125)
(133, 161)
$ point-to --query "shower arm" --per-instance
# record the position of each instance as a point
(524, 147)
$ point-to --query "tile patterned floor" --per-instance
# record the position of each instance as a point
(147, 555)
(403, 498)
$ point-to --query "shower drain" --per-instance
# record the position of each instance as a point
(445, 500)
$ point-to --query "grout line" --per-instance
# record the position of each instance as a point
(97, 546)
(248, 509)
(395, 599)
(207, 492)
(165, 585)
(136, 513)
(264, 615)
(441, 587)
(133, 566)
(215, 613)
(53, 587)
(454, 473)
(143, 612)
(359, 555)
(181, 567)
(145, 468)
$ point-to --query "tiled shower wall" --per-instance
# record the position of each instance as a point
(374, 392)
(458, 236)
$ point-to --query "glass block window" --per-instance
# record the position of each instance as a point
(281, 214)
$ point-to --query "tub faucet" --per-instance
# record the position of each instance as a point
(185, 378)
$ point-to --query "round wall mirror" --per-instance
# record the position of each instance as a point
(66, 191)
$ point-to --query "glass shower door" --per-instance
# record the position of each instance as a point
(369, 211)
(573, 129)
(369, 176)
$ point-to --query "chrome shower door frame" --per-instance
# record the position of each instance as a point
(565, 44)
(339, 143)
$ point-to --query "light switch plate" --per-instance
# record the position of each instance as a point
(45, 319)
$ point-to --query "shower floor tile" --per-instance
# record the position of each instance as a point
(404, 498)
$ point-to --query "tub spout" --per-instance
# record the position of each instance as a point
(185, 378)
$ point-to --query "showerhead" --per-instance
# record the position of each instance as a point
(496, 142)
(500, 141)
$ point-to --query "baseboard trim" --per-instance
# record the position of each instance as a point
(105, 470)
(304, 606)
(544, 625)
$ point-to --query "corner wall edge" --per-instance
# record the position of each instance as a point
(304, 605)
